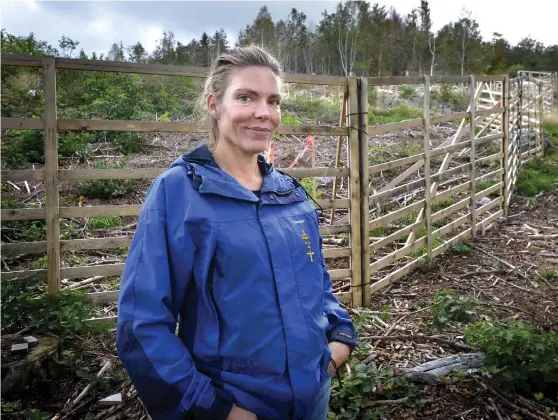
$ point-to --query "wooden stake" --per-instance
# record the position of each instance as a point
(354, 191)
(426, 147)
(342, 119)
(51, 176)
(473, 108)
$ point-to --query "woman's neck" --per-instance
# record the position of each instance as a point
(242, 167)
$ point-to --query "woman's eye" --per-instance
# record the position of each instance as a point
(243, 98)
(275, 102)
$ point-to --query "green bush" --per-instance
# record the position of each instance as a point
(446, 307)
(21, 147)
(307, 185)
(312, 110)
(355, 400)
(105, 188)
(63, 313)
(407, 92)
(104, 222)
(289, 119)
(520, 357)
(129, 142)
(75, 144)
(462, 248)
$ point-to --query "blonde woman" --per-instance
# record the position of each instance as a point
(228, 248)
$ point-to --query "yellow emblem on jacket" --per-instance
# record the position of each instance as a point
(306, 240)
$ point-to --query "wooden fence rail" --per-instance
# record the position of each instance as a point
(430, 200)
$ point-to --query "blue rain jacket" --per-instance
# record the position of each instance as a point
(243, 277)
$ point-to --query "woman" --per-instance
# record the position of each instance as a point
(228, 249)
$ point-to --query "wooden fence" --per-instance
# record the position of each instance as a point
(430, 199)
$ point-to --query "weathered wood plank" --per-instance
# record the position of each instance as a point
(18, 175)
(22, 123)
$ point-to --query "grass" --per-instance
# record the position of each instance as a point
(419, 252)
(104, 222)
(541, 174)
(549, 273)
(400, 112)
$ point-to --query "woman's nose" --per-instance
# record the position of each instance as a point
(262, 110)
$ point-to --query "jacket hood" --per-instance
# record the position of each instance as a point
(209, 178)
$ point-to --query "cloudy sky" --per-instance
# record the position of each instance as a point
(97, 24)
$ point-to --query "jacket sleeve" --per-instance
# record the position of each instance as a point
(341, 327)
(158, 363)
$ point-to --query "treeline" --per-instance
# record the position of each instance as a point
(356, 38)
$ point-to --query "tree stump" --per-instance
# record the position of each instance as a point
(19, 368)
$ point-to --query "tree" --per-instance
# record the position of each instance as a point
(137, 53)
(261, 32)
(116, 52)
(67, 46)
(164, 52)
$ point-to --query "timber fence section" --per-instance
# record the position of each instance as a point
(391, 208)
(52, 175)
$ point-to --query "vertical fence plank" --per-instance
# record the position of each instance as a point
(506, 146)
(426, 147)
(51, 176)
(473, 204)
(541, 120)
(354, 191)
(365, 190)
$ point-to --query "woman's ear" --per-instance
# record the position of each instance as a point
(212, 106)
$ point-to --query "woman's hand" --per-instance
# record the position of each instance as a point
(238, 413)
(339, 353)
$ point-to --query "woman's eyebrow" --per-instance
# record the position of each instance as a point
(254, 93)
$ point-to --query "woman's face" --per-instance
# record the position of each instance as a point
(249, 113)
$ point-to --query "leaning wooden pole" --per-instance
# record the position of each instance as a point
(426, 150)
(342, 119)
(473, 156)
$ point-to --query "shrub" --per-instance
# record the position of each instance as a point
(355, 400)
(407, 92)
(63, 313)
(21, 147)
(78, 145)
(105, 188)
(129, 142)
(307, 185)
(462, 248)
(520, 357)
(289, 119)
(104, 222)
(447, 307)
(312, 110)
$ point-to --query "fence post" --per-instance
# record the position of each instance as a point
(365, 190)
(354, 194)
(51, 176)
(473, 204)
(506, 176)
(426, 151)
(541, 119)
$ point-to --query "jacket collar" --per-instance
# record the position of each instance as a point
(208, 178)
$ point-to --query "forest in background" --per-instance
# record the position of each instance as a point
(369, 40)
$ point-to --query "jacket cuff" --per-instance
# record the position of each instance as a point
(348, 337)
(219, 410)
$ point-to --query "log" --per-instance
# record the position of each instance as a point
(431, 372)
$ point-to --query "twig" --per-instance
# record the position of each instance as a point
(85, 282)
(495, 409)
(545, 280)
(507, 264)
(390, 402)
(508, 402)
(421, 338)
(519, 287)
(106, 367)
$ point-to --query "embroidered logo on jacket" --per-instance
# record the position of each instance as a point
(306, 240)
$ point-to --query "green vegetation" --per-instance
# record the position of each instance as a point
(447, 307)
(462, 248)
(307, 185)
(105, 188)
(104, 222)
(519, 356)
(63, 314)
(548, 273)
(401, 112)
(540, 175)
(407, 92)
(313, 111)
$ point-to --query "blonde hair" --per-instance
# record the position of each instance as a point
(218, 79)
